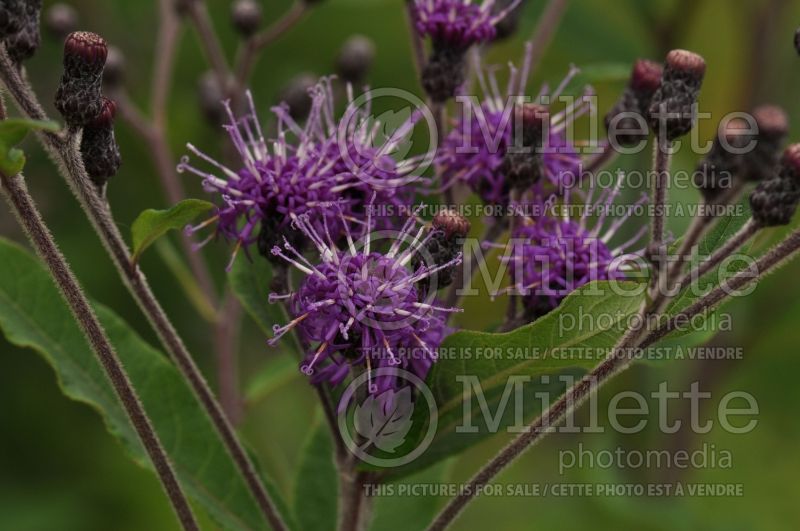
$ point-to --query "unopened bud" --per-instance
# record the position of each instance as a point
(673, 111)
(442, 246)
(209, 97)
(246, 16)
(775, 200)
(773, 129)
(296, 96)
(182, 7)
(355, 59)
(724, 162)
(451, 223)
(78, 98)
(61, 20)
(24, 43)
(522, 164)
(626, 121)
(99, 148)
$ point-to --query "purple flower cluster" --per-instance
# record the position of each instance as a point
(553, 256)
(474, 151)
(314, 170)
(459, 23)
(362, 307)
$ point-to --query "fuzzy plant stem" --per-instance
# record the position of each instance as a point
(20, 201)
(248, 54)
(66, 152)
(417, 43)
(353, 504)
(662, 159)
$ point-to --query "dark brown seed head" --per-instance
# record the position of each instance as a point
(532, 120)
(295, 95)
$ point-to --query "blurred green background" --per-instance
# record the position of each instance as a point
(60, 469)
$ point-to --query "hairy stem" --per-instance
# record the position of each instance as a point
(209, 41)
(661, 165)
(66, 153)
(353, 504)
(20, 201)
(778, 255)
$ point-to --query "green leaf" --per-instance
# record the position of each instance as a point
(317, 484)
(152, 224)
(565, 343)
(33, 315)
(12, 132)
(251, 283)
(276, 373)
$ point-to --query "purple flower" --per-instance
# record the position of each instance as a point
(474, 151)
(459, 23)
(361, 308)
(554, 256)
(315, 170)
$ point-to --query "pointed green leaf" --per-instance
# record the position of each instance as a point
(316, 485)
(152, 224)
(33, 315)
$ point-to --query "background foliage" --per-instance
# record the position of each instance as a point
(59, 467)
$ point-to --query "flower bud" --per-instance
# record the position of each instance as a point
(773, 129)
(451, 223)
(99, 149)
(209, 97)
(114, 72)
(775, 200)
(295, 95)
(78, 98)
(673, 110)
(24, 43)
(182, 7)
(523, 164)
(723, 164)
(61, 20)
(445, 242)
(626, 120)
(246, 16)
(355, 59)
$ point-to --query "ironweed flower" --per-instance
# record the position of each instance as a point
(453, 26)
(555, 255)
(361, 308)
(475, 150)
(315, 170)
